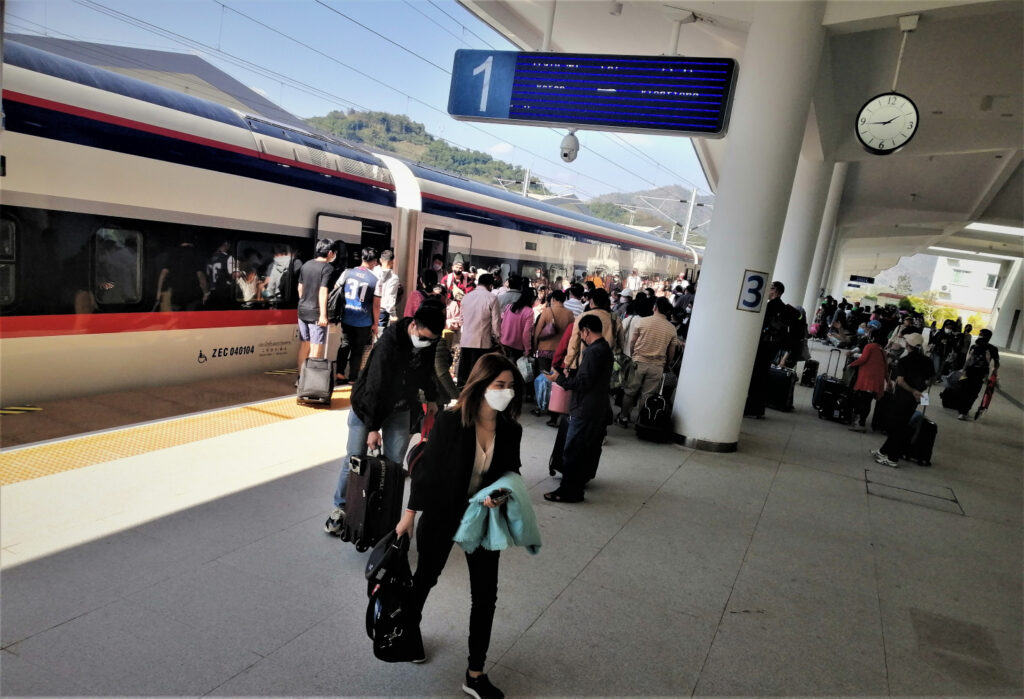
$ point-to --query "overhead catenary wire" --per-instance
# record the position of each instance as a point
(323, 94)
(442, 11)
(266, 72)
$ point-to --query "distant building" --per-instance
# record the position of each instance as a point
(967, 286)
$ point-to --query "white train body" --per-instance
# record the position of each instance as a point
(99, 168)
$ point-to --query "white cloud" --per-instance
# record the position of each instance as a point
(501, 149)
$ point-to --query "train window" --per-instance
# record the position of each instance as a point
(7, 258)
(281, 277)
(460, 249)
(255, 260)
(7, 230)
(117, 261)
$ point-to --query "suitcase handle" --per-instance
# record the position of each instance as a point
(828, 365)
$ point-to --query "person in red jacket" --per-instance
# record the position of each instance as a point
(870, 383)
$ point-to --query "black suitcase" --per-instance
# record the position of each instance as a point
(810, 372)
(835, 402)
(832, 398)
(373, 500)
(654, 421)
(950, 398)
(781, 383)
(922, 440)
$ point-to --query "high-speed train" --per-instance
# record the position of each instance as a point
(149, 237)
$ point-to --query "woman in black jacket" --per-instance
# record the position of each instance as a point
(472, 445)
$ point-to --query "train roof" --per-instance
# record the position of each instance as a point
(37, 60)
(453, 180)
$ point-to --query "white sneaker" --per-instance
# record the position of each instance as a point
(963, 416)
(886, 461)
(334, 523)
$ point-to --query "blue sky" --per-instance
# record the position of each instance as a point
(387, 55)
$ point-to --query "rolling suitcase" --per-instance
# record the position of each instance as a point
(922, 439)
(373, 500)
(810, 373)
(316, 382)
(832, 398)
(654, 421)
(781, 383)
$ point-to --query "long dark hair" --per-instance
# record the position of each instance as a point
(485, 371)
(525, 300)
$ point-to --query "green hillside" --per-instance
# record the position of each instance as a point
(398, 134)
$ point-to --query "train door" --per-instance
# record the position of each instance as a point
(452, 247)
(356, 234)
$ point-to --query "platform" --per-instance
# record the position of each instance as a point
(795, 566)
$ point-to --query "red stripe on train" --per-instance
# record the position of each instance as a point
(100, 323)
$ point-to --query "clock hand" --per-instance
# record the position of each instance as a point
(883, 123)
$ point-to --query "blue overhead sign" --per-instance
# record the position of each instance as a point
(677, 95)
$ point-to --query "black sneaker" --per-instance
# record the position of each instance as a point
(334, 523)
(481, 688)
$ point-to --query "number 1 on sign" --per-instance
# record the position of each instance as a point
(484, 68)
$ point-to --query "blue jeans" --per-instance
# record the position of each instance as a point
(394, 436)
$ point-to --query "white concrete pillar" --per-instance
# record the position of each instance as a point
(803, 225)
(1007, 314)
(777, 76)
(816, 277)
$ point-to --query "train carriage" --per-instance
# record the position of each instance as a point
(149, 237)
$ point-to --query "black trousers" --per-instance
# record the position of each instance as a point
(904, 405)
(433, 543)
(581, 454)
(862, 405)
(968, 390)
(353, 343)
(757, 393)
(467, 359)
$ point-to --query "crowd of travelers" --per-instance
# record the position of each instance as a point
(467, 346)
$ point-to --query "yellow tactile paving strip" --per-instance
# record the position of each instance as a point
(77, 452)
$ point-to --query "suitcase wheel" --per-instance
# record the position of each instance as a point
(362, 547)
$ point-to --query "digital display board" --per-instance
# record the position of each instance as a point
(678, 95)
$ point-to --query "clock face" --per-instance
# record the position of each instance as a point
(886, 123)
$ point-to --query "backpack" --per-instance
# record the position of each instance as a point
(336, 303)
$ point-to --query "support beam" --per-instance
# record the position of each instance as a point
(773, 99)
(826, 236)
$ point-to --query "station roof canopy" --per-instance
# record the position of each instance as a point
(962, 66)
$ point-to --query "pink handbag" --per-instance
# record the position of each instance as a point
(559, 400)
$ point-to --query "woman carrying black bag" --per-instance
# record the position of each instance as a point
(472, 445)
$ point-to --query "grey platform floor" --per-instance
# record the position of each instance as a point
(793, 567)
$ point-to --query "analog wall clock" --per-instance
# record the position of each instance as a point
(886, 123)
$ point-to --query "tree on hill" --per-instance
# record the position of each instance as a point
(398, 133)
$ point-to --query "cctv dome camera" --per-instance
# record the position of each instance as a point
(570, 147)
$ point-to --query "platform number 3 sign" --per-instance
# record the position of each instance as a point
(752, 291)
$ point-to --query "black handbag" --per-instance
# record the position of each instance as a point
(385, 561)
(396, 637)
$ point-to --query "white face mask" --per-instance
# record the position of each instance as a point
(499, 399)
(418, 342)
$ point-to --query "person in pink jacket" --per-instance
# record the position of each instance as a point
(517, 326)
(870, 383)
